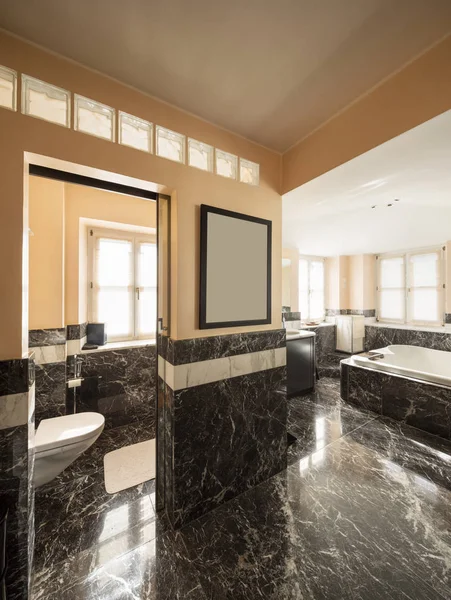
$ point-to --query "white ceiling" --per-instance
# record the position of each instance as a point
(333, 214)
(270, 70)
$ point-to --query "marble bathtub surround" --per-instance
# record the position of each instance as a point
(379, 336)
(218, 369)
(421, 404)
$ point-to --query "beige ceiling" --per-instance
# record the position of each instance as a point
(270, 70)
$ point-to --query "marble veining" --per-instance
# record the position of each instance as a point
(77, 331)
(418, 403)
(380, 337)
(222, 346)
(364, 517)
(50, 390)
(335, 312)
(208, 371)
(46, 337)
(13, 410)
(50, 354)
(120, 384)
(242, 417)
(13, 376)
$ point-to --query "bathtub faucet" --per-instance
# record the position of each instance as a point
(375, 355)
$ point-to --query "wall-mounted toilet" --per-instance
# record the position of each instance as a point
(59, 441)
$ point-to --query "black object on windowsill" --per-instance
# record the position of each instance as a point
(96, 333)
(3, 561)
(90, 347)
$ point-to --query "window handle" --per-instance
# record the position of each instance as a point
(137, 291)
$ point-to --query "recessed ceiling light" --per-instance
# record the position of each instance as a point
(373, 206)
(389, 204)
(396, 199)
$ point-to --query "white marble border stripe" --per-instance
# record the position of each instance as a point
(50, 354)
(14, 410)
(208, 371)
(75, 346)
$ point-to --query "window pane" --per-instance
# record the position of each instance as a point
(94, 118)
(316, 305)
(424, 305)
(170, 144)
(303, 275)
(114, 262)
(114, 308)
(147, 311)
(226, 164)
(45, 101)
(135, 132)
(316, 275)
(303, 304)
(8, 88)
(392, 272)
(200, 155)
(147, 265)
(424, 270)
(392, 304)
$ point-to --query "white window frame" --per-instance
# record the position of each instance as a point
(310, 259)
(136, 238)
(408, 310)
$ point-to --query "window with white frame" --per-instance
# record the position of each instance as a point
(123, 283)
(311, 288)
(410, 287)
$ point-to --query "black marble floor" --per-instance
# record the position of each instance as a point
(363, 512)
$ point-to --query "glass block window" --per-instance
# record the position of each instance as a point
(226, 164)
(170, 144)
(200, 155)
(249, 172)
(45, 101)
(94, 118)
(135, 132)
(8, 88)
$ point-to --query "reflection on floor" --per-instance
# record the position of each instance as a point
(362, 512)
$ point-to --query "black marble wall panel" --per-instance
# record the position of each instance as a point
(50, 391)
(366, 312)
(16, 477)
(379, 337)
(77, 331)
(13, 376)
(46, 337)
(119, 384)
(420, 404)
(226, 437)
(220, 346)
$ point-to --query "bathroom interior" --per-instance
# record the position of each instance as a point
(365, 284)
(92, 328)
(182, 417)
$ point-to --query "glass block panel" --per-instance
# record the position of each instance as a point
(135, 132)
(170, 144)
(200, 155)
(8, 88)
(249, 172)
(45, 101)
(226, 164)
(94, 118)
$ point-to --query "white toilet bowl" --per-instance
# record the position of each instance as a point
(61, 440)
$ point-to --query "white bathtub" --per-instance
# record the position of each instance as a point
(411, 361)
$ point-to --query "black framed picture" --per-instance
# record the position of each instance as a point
(235, 269)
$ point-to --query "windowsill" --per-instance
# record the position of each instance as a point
(434, 329)
(121, 345)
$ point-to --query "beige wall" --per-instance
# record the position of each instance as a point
(293, 255)
(356, 278)
(350, 282)
(189, 187)
(46, 251)
(417, 93)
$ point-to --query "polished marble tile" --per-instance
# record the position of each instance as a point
(347, 523)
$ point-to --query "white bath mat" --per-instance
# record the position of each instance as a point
(129, 466)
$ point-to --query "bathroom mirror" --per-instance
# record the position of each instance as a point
(235, 273)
